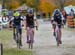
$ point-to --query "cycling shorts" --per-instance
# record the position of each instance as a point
(18, 27)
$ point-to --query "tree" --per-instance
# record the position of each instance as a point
(22, 2)
(37, 3)
(4, 2)
(61, 3)
(14, 4)
(47, 7)
(30, 3)
(10, 4)
(72, 2)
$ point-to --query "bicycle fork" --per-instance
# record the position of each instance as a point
(58, 39)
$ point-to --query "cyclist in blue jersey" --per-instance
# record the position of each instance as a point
(58, 18)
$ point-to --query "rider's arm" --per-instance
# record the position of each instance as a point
(22, 18)
(25, 21)
(62, 18)
(52, 18)
(36, 22)
(12, 20)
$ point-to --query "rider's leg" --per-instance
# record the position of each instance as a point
(60, 34)
(32, 35)
(54, 28)
(27, 34)
(14, 33)
(20, 31)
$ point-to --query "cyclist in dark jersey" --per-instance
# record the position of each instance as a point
(30, 23)
(17, 23)
(58, 18)
(30, 20)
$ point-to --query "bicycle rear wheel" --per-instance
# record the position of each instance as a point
(19, 42)
(30, 45)
(58, 39)
(31, 38)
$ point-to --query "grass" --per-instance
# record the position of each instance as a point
(6, 38)
(16, 52)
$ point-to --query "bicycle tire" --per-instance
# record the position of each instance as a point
(30, 45)
(31, 39)
(18, 40)
(57, 37)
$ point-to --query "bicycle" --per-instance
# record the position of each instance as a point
(30, 37)
(17, 37)
(57, 35)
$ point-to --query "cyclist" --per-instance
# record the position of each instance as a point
(30, 23)
(17, 23)
(57, 17)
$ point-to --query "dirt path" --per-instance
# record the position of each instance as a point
(45, 43)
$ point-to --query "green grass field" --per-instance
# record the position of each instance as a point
(16, 52)
(6, 38)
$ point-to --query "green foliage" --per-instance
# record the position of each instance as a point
(13, 4)
(6, 37)
(22, 2)
(47, 7)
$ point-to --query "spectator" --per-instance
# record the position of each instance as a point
(72, 13)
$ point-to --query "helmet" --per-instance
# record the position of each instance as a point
(30, 11)
(57, 11)
(16, 14)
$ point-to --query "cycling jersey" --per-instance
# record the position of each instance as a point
(58, 21)
(30, 20)
(17, 23)
(55, 19)
(17, 20)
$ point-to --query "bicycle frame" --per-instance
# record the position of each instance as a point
(57, 34)
(31, 37)
(17, 36)
(56, 30)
